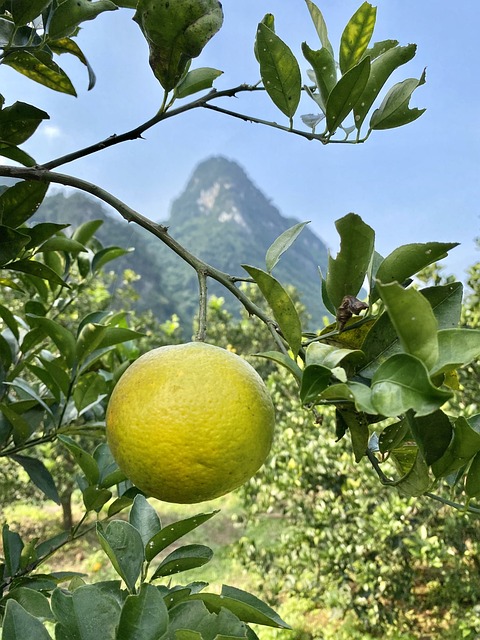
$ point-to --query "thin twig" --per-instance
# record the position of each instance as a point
(202, 307)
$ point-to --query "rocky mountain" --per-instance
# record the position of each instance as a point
(223, 218)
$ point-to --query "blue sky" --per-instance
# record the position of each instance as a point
(414, 184)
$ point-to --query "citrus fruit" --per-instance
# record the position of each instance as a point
(190, 422)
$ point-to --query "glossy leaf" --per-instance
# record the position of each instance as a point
(104, 256)
(413, 320)
(279, 71)
(417, 480)
(346, 93)
(433, 434)
(315, 379)
(395, 110)
(472, 482)
(197, 80)
(185, 558)
(68, 15)
(176, 32)
(144, 615)
(346, 272)
(9, 319)
(464, 445)
(144, 518)
(283, 360)
(24, 11)
(85, 231)
(85, 460)
(11, 244)
(393, 435)
(191, 620)
(282, 306)
(320, 25)
(12, 550)
(40, 67)
(457, 347)
(35, 268)
(67, 45)
(358, 428)
(58, 374)
(245, 606)
(19, 202)
(380, 70)
(174, 532)
(61, 243)
(95, 498)
(378, 48)
(20, 121)
(409, 259)
(325, 70)
(18, 624)
(39, 475)
(123, 545)
(281, 244)
(402, 383)
(356, 36)
(330, 356)
(16, 154)
(60, 335)
(446, 302)
(34, 602)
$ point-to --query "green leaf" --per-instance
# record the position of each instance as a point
(20, 121)
(393, 435)
(19, 202)
(60, 335)
(346, 93)
(282, 306)
(9, 319)
(394, 110)
(320, 25)
(456, 347)
(174, 532)
(91, 609)
(11, 244)
(34, 602)
(12, 550)
(283, 360)
(185, 558)
(123, 545)
(281, 244)
(39, 475)
(18, 624)
(40, 67)
(433, 434)
(85, 460)
(197, 80)
(417, 480)
(413, 320)
(401, 383)
(116, 335)
(69, 14)
(24, 11)
(464, 445)
(16, 154)
(85, 232)
(38, 269)
(315, 379)
(325, 70)
(346, 272)
(356, 36)
(144, 616)
(103, 256)
(95, 498)
(380, 70)
(176, 32)
(41, 232)
(379, 48)
(21, 428)
(472, 482)
(330, 356)
(61, 243)
(66, 45)
(190, 620)
(409, 259)
(279, 71)
(58, 374)
(244, 605)
(144, 518)
(359, 432)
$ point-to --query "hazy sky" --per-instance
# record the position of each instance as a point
(413, 184)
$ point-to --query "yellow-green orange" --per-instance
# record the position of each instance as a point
(191, 422)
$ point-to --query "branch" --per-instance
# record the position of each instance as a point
(202, 307)
(158, 230)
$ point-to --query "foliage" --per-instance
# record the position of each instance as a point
(387, 375)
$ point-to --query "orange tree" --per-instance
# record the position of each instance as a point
(391, 368)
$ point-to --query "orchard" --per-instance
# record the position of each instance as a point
(96, 400)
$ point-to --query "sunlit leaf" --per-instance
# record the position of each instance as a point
(395, 110)
(197, 80)
(346, 93)
(279, 70)
(68, 15)
(325, 71)
(413, 320)
(346, 272)
(176, 32)
(20, 121)
(281, 244)
(456, 348)
(20, 201)
(67, 45)
(144, 518)
(174, 532)
(24, 11)
(464, 445)
(190, 556)
(123, 545)
(356, 36)
(320, 25)
(60, 335)
(283, 360)
(282, 306)
(39, 66)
